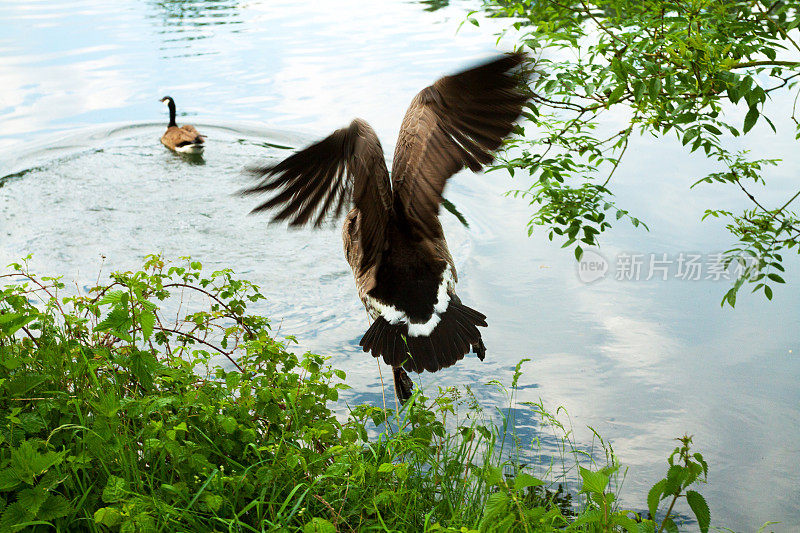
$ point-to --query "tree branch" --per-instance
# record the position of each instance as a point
(205, 343)
(765, 63)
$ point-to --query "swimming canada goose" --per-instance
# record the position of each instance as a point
(185, 139)
(393, 239)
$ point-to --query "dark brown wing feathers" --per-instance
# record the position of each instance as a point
(457, 122)
(321, 180)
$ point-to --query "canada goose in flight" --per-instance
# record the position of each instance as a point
(185, 139)
(392, 236)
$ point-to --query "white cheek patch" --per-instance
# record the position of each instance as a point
(416, 329)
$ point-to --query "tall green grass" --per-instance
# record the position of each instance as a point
(158, 402)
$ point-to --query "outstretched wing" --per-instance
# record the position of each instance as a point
(458, 121)
(324, 178)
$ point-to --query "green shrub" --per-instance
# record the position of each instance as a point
(115, 417)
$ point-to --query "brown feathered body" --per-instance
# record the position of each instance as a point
(393, 240)
(184, 139)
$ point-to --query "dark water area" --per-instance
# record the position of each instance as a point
(89, 189)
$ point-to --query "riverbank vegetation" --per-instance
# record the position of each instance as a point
(159, 402)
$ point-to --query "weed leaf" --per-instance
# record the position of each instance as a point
(700, 509)
(655, 496)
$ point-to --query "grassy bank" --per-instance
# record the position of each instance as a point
(157, 402)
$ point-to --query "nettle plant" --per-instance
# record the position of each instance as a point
(688, 68)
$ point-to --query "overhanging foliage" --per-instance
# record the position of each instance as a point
(689, 68)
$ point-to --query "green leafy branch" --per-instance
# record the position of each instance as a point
(664, 67)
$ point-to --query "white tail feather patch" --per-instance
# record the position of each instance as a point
(190, 148)
(423, 330)
(417, 329)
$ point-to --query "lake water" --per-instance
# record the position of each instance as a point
(640, 361)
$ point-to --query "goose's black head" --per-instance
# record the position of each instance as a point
(170, 103)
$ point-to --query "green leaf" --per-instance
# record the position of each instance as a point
(676, 475)
(213, 501)
(9, 479)
(733, 94)
(496, 504)
(32, 499)
(729, 297)
(670, 526)
(319, 525)
(526, 480)
(700, 509)
(655, 496)
(630, 525)
(29, 463)
(776, 278)
(229, 424)
(593, 481)
(112, 297)
(232, 380)
(638, 90)
(750, 119)
(14, 514)
(139, 363)
(115, 489)
(590, 515)
(117, 323)
(55, 506)
(108, 516)
(13, 322)
(32, 422)
(147, 319)
(689, 135)
(494, 475)
(616, 94)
